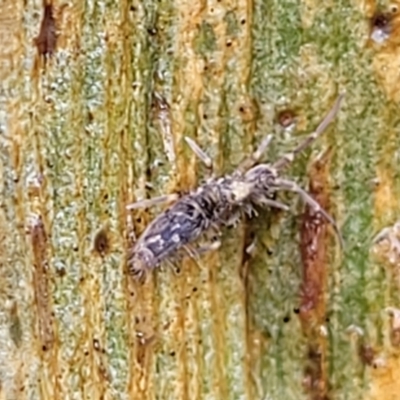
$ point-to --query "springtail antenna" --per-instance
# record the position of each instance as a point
(288, 158)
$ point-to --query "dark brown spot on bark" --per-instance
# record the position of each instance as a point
(102, 242)
(286, 118)
(367, 354)
(39, 244)
(314, 380)
(313, 243)
(380, 21)
(312, 310)
(47, 38)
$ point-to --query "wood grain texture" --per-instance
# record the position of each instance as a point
(100, 124)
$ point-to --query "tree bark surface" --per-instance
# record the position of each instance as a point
(95, 100)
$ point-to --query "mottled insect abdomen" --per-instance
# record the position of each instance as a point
(183, 223)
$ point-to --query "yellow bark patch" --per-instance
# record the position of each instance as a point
(309, 9)
(385, 196)
(386, 385)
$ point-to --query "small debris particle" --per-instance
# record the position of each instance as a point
(102, 242)
(386, 245)
(381, 27)
(286, 118)
(96, 344)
